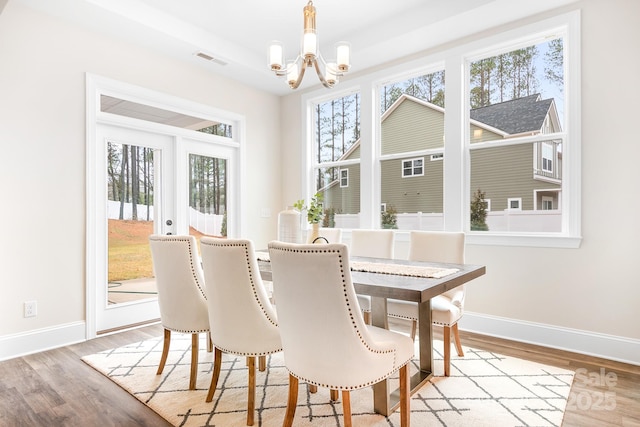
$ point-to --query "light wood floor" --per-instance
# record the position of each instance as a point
(55, 388)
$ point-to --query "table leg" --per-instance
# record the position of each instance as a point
(425, 336)
(385, 402)
(381, 396)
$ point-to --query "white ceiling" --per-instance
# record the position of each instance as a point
(238, 32)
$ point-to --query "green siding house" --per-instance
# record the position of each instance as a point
(519, 177)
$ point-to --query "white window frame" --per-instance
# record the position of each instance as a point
(547, 147)
(457, 194)
(344, 178)
(518, 200)
(547, 199)
(437, 157)
(413, 167)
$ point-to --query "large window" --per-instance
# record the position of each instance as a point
(516, 101)
(336, 154)
(505, 126)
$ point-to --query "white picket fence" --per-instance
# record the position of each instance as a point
(209, 224)
(500, 221)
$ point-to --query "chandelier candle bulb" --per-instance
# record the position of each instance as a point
(292, 72)
(342, 53)
(330, 73)
(275, 56)
(310, 42)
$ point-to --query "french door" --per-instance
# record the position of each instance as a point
(153, 183)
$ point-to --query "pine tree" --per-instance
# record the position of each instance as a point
(478, 212)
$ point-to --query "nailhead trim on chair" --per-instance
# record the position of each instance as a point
(415, 319)
(353, 323)
(253, 288)
(193, 272)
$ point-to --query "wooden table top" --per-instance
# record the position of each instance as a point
(408, 288)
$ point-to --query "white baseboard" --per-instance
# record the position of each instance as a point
(590, 343)
(17, 345)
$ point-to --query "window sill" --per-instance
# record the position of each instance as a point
(527, 240)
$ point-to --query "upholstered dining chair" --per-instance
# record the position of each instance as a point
(181, 297)
(243, 321)
(316, 337)
(332, 235)
(446, 309)
(374, 244)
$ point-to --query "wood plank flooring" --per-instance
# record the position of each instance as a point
(55, 388)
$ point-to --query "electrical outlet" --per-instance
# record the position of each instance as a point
(30, 308)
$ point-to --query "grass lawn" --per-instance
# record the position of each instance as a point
(129, 253)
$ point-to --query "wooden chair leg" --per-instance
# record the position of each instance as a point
(209, 342)
(456, 337)
(262, 363)
(346, 407)
(366, 315)
(414, 328)
(251, 398)
(292, 402)
(405, 397)
(313, 388)
(165, 350)
(333, 395)
(447, 350)
(217, 363)
(193, 377)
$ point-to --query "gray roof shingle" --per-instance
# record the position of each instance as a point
(516, 116)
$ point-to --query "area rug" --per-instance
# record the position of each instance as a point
(484, 389)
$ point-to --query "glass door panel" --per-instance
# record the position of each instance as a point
(130, 204)
(207, 196)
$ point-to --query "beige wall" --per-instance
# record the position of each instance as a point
(596, 288)
(43, 62)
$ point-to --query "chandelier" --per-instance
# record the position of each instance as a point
(328, 72)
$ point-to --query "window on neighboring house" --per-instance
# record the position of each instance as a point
(514, 204)
(344, 178)
(487, 203)
(412, 167)
(439, 156)
(547, 203)
(383, 207)
(547, 157)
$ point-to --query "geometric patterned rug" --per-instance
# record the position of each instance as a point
(484, 389)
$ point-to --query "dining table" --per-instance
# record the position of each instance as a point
(415, 281)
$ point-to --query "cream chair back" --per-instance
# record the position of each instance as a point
(438, 246)
(242, 319)
(320, 321)
(180, 283)
(372, 243)
(181, 297)
(333, 235)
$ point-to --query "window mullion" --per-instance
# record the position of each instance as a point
(369, 168)
(455, 184)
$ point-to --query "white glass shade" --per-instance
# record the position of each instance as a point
(292, 72)
(275, 55)
(309, 44)
(343, 55)
(330, 73)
